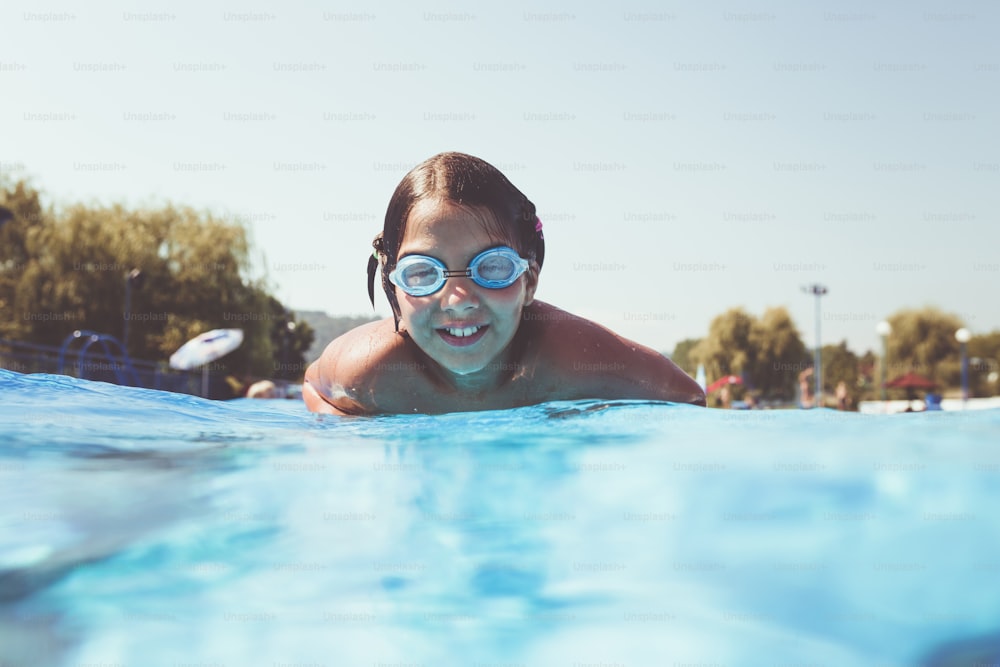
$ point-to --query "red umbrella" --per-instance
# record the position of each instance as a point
(724, 380)
(911, 380)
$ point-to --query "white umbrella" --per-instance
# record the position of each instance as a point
(204, 348)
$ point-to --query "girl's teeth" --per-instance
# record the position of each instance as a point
(462, 333)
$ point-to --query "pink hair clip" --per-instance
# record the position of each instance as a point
(538, 224)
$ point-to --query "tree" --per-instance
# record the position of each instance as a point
(841, 365)
(727, 349)
(984, 364)
(21, 214)
(291, 339)
(923, 341)
(767, 353)
(779, 354)
(868, 386)
(682, 355)
(72, 268)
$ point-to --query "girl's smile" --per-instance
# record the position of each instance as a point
(463, 335)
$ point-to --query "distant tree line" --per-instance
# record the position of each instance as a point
(69, 269)
(768, 354)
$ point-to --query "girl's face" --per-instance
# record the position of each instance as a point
(463, 327)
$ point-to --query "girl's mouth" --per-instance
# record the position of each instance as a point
(462, 336)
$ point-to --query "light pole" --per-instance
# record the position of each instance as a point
(818, 291)
(963, 336)
(883, 329)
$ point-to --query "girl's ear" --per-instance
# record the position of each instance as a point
(530, 282)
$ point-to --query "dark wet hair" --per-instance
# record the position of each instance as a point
(467, 181)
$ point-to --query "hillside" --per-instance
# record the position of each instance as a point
(327, 328)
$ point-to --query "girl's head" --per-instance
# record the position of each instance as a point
(449, 211)
(467, 182)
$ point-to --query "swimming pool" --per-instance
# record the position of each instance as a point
(145, 528)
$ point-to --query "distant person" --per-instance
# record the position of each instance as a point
(843, 398)
(805, 389)
(459, 258)
(725, 397)
(262, 389)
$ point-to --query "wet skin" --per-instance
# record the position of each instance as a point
(520, 351)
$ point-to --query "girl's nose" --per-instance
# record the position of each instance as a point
(459, 293)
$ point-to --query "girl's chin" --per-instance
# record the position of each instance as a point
(464, 371)
(462, 368)
(460, 360)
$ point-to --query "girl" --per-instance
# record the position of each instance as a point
(459, 258)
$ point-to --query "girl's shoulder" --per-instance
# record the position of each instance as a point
(351, 365)
(564, 331)
(357, 347)
(600, 363)
(545, 317)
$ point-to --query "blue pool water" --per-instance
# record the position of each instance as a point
(140, 528)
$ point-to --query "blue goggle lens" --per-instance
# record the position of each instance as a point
(419, 275)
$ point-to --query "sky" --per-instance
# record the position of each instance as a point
(685, 158)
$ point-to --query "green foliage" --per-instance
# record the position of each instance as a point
(839, 365)
(779, 354)
(842, 365)
(21, 215)
(923, 341)
(767, 352)
(726, 349)
(68, 270)
(868, 382)
(984, 364)
(682, 355)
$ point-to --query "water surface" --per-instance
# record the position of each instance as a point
(145, 528)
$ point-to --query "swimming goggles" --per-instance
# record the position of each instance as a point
(496, 268)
